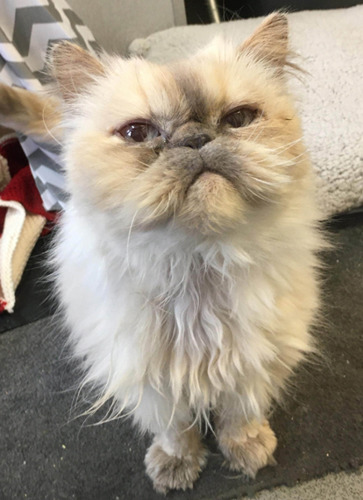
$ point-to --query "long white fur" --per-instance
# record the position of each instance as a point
(165, 321)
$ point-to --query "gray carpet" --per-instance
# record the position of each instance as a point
(343, 486)
(46, 455)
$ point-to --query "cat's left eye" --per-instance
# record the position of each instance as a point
(138, 131)
(240, 117)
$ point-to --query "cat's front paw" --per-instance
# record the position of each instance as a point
(250, 449)
(169, 472)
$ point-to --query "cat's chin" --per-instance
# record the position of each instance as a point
(207, 180)
(212, 205)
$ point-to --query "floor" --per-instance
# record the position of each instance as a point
(342, 486)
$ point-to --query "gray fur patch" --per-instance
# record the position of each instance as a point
(197, 101)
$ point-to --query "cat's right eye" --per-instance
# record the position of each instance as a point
(138, 131)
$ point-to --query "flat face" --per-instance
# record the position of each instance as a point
(202, 142)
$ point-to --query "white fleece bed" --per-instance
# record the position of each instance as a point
(329, 100)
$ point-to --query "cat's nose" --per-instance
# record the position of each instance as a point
(194, 141)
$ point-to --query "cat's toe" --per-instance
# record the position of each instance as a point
(169, 472)
(251, 450)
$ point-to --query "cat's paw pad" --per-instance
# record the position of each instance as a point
(170, 472)
(251, 450)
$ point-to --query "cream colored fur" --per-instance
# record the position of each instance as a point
(188, 292)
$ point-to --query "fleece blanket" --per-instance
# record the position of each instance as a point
(329, 97)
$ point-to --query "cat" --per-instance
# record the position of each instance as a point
(187, 255)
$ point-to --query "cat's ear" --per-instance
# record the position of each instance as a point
(269, 42)
(73, 68)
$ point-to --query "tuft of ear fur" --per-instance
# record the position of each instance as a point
(73, 68)
(269, 42)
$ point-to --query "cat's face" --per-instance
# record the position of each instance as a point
(202, 143)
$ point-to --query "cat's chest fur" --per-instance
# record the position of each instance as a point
(197, 322)
(201, 331)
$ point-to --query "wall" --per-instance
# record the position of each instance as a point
(115, 23)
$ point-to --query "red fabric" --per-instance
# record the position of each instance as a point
(2, 219)
(21, 187)
(13, 152)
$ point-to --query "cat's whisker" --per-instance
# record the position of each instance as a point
(128, 241)
(142, 163)
(47, 128)
(285, 147)
(254, 138)
(256, 130)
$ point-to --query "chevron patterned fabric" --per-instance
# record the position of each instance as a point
(28, 28)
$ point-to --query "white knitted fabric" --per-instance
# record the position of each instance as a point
(330, 98)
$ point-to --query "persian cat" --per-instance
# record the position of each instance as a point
(186, 255)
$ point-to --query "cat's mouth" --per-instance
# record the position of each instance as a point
(207, 172)
(204, 171)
